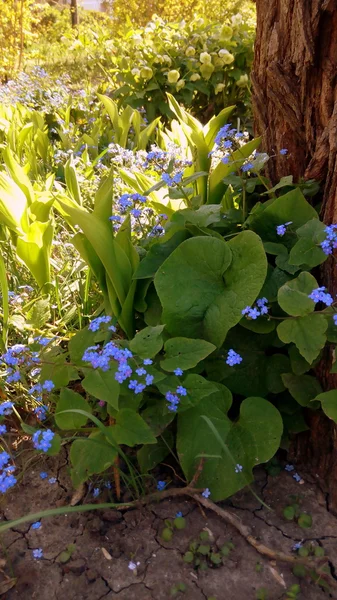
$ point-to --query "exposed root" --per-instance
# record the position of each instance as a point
(192, 492)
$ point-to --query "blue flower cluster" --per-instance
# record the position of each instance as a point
(248, 166)
(320, 295)
(174, 180)
(173, 399)
(227, 140)
(6, 408)
(41, 412)
(253, 312)
(16, 357)
(7, 479)
(161, 160)
(3, 429)
(101, 357)
(233, 358)
(330, 243)
(129, 200)
(42, 440)
(96, 323)
(282, 229)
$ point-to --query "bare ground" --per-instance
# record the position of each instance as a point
(105, 541)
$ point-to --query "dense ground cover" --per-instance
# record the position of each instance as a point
(159, 294)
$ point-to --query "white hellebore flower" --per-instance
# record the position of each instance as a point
(219, 87)
(243, 80)
(173, 76)
(195, 77)
(205, 58)
(180, 84)
(167, 59)
(237, 19)
(146, 73)
(226, 56)
(190, 51)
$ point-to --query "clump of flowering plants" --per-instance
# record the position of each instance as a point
(212, 324)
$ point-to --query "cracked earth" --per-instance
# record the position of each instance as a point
(105, 541)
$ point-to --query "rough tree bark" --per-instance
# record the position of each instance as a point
(74, 13)
(294, 83)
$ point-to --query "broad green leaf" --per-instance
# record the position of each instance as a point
(157, 416)
(282, 261)
(89, 456)
(328, 401)
(307, 333)
(123, 238)
(18, 174)
(185, 353)
(299, 365)
(253, 439)
(276, 366)
(293, 296)
(56, 369)
(158, 252)
(34, 249)
(115, 261)
(72, 183)
(39, 313)
(103, 198)
(148, 342)
(131, 429)
(304, 388)
(274, 280)
(13, 205)
(307, 250)
(214, 124)
(197, 388)
(55, 445)
(79, 343)
(150, 455)
(112, 110)
(88, 254)
(102, 385)
(145, 135)
(204, 285)
(202, 217)
(290, 207)
(68, 400)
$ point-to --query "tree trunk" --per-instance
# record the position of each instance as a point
(74, 13)
(294, 84)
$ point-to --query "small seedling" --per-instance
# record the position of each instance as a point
(204, 549)
(227, 548)
(292, 513)
(262, 594)
(258, 567)
(179, 523)
(66, 555)
(299, 571)
(293, 592)
(188, 557)
(305, 520)
(215, 558)
(167, 534)
(319, 551)
(179, 587)
(304, 552)
(204, 536)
